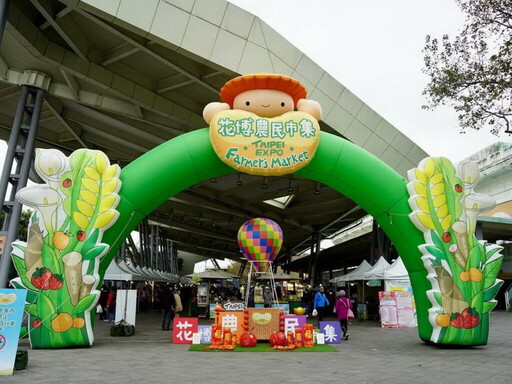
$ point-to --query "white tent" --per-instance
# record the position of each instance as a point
(375, 272)
(396, 271)
(357, 273)
(115, 272)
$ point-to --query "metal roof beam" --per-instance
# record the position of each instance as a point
(113, 138)
(72, 83)
(9, 92)
(172, 82)
(189, 198)
(89, 116)
(57, 16)
(95, 74)
(261, 209)
(96, 100)
(192, 210)
(180, 226)
(117, 53)
(57, 108)
(69, 33)
(146, 50)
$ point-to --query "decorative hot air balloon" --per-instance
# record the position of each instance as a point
(260, 240)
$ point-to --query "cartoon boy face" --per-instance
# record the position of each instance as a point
(264, 102)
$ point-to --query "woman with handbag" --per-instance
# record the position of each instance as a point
(344, 312)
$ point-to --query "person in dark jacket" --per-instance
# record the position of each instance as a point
(111, 305)
(167, 304)
(103, 301)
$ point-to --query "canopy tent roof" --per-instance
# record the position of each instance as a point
(214, 275)
(357, 273)
(277, 276)
(125, 272)
(375, 271)
(395, 271)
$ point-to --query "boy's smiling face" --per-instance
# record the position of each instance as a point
(264, 102)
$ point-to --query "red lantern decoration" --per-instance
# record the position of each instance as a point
(248, 340)
(298, 337)
(277, 338)
(290, 338)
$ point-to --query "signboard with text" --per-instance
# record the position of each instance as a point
(184, 329)
(233, 321)
(331, 331)
(205, 334)
(264, 146)
(233, 305)
(12, 303)
(292, 322)
(397, 309)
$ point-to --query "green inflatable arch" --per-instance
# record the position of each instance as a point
(347, 168)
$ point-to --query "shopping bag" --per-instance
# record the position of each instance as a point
(99, 309)
(314, 313)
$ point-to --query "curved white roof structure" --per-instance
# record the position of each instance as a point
(124, 76)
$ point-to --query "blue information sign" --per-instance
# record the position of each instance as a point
(12, 303)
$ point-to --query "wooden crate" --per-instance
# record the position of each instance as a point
(263, 322)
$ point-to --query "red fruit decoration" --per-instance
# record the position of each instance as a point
(56, 281)
(447, 237)
(456, 320)
(277, 338)
(41, 278)
(36, 323)
(80, 235)
(468, 319)
(67, 183)
(471, 318)
(248, 340)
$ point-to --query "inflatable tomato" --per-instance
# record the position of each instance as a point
(248, 340)
(277, 338)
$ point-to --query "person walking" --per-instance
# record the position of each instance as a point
(167, 302)
(102, 302)
(321, 303)
(111, 305)
(178, 307)
(342, 307)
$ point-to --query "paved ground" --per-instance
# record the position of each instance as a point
(372, 355)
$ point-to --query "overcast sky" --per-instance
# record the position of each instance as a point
(373, 47)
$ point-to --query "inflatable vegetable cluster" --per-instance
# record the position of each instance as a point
(461, 269)
(59, 263)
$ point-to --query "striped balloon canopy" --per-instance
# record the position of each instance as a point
(260, 241)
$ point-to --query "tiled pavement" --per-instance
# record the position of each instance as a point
(372, 355)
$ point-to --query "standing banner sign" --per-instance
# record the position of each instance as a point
(397, 310)
(12, 302)
(126, 305)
